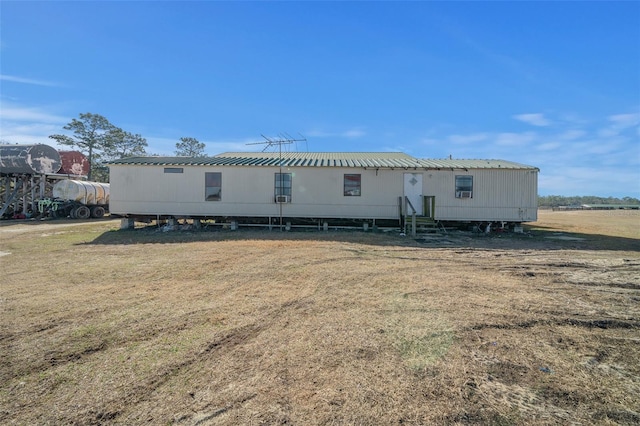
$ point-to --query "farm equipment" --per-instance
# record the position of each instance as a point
(76, 199)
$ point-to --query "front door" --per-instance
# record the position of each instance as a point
(413, 191)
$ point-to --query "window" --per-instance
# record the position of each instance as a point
(212, 186)
(283, 185)
(464, 186)
(173, 170)
(352, 185)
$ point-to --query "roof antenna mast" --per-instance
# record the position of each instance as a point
(282, 139)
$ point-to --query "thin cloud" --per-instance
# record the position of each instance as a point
(467, 139)
(603, 148)
(624, 121)
(619, 123)
(548, 146)
(573, 119)
(23, 80)
(572, 134)
(16, 113)
(534, 119)
(354, 133)
(608, 132)
(28, 125)
(515, 139)
(27, 133)
(588, 181)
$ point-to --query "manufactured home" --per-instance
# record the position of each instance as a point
(326, 187)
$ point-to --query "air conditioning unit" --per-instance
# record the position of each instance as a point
(282, 198)
(464, 194)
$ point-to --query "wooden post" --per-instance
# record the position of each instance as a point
(413, 224)
(400, 214)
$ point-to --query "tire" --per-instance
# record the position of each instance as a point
(64, 212)
(83, 212)
(72, 213)
(97, 212)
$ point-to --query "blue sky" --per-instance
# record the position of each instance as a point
(550, 84)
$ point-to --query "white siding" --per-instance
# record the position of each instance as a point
(498, 195)
(249, 191)
(317, 192)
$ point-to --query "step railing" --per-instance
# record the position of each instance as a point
(407, 203)
(417, 221)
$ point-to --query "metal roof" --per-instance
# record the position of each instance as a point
(387, 160)
(286, 159)
(321, 159)
(473, 164)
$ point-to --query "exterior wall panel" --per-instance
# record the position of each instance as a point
(318, 192)
(498, 195)
(249, 191)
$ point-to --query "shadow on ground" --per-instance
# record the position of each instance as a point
(538, 238)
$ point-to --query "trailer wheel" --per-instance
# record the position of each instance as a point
(63, 212)
(72, 213)
(97, 212)
(83, 212)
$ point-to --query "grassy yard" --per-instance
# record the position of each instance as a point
(101, 326)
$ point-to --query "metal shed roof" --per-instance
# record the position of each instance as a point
(286, 159)
(389, 160)
(322, 159)
(473, 164)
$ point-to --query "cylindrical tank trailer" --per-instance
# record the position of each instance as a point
(87, 193)
(80, 199)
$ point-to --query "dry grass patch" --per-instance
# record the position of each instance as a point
(256, 327)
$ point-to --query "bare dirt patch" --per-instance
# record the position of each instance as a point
(255, 327)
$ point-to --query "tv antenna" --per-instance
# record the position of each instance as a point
(282, 139)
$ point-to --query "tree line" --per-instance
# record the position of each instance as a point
(102, 141)
(559, 200)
